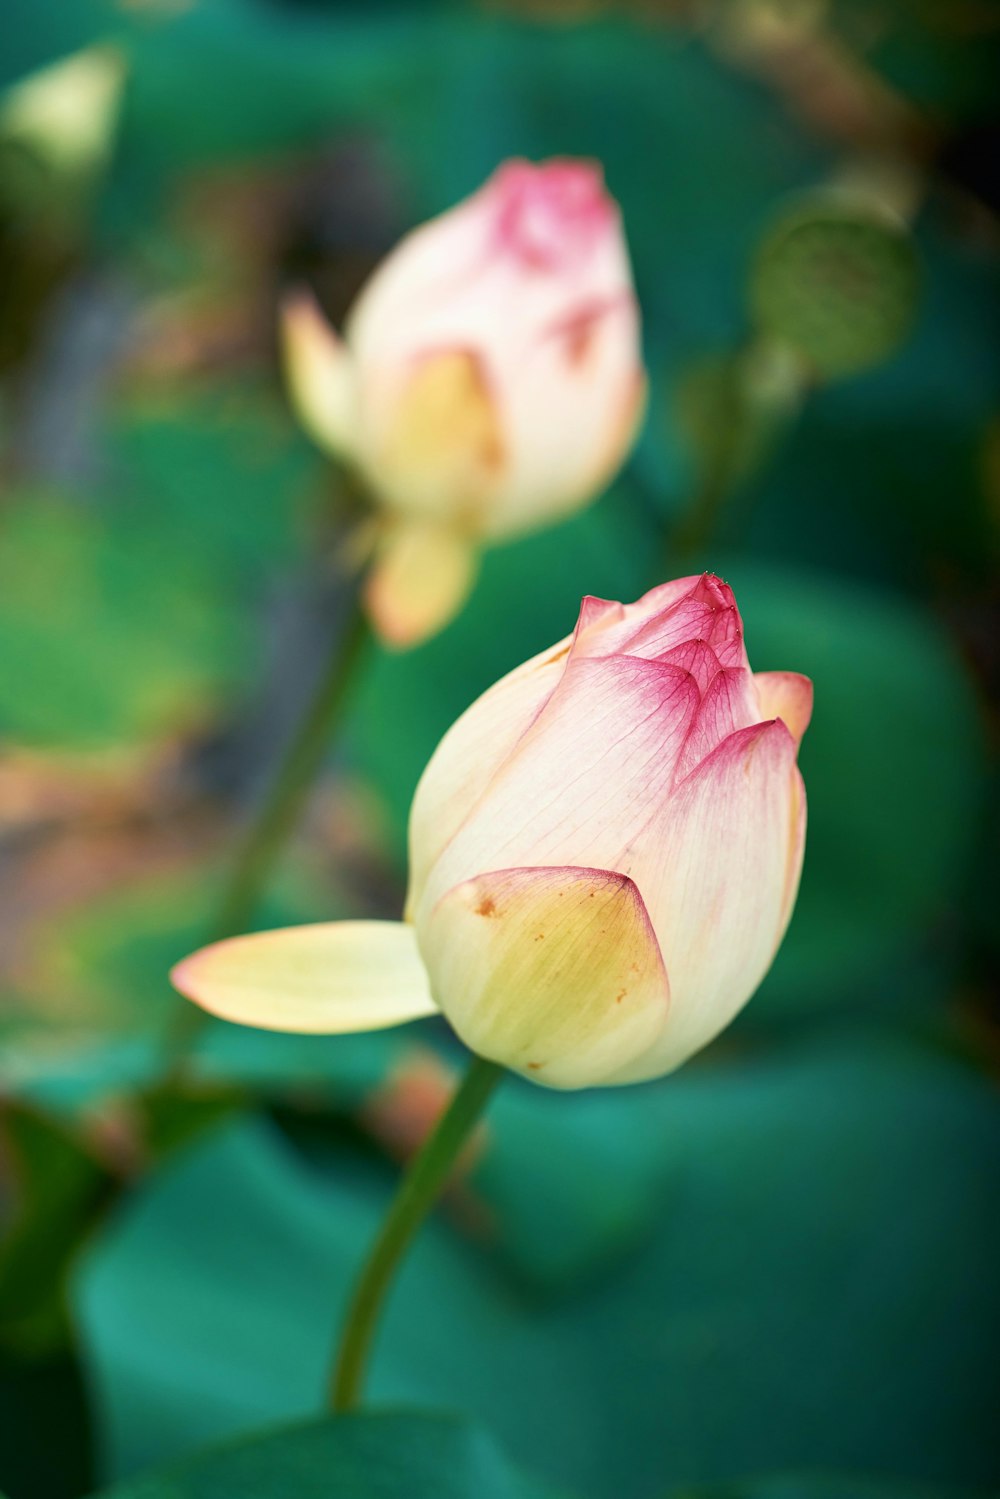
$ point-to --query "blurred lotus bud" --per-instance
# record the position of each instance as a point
(489, 381)
(67, 112)
(836, 280)
(604, 855)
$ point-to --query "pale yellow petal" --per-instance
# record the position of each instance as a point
(68, 111)
(437, 450)
(419, 581)
(555, 973)
(331, 978)
(320, 372)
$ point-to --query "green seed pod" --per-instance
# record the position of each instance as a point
(837, 281)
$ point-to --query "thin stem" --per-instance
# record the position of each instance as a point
(719, 469)
(759, 392)
(279, 812)
(417, 1193)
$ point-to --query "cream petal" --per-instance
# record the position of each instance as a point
(556, 973)
(796, 849)
(434, 447)
(571, 410)
(320, 372)
(417, 278)
(786, 695)
(421, 576)
(470, 754)
(591, 772)
(331, 978)
(718, 873)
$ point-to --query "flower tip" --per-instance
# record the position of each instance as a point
(180, 977)
(187, 976)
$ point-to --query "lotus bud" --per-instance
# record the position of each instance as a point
(604, 854)
(67, 112)
(489, 380)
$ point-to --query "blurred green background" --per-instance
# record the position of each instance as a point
(772, 1276)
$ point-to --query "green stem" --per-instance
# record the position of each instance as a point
(759, 394)
(719, 469)
(417, 1193)
(280, 811)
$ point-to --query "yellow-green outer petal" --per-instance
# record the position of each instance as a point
(554, 972)
(331, 978)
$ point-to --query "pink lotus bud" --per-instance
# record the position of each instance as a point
(605, 851)
(629, 806)
(489, 380)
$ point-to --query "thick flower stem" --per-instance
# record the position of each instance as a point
(280, 811)
(417, 1193)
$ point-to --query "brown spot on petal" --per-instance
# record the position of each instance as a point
(491, 452)
(487, 906)
(579, 341)
(558, 655)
